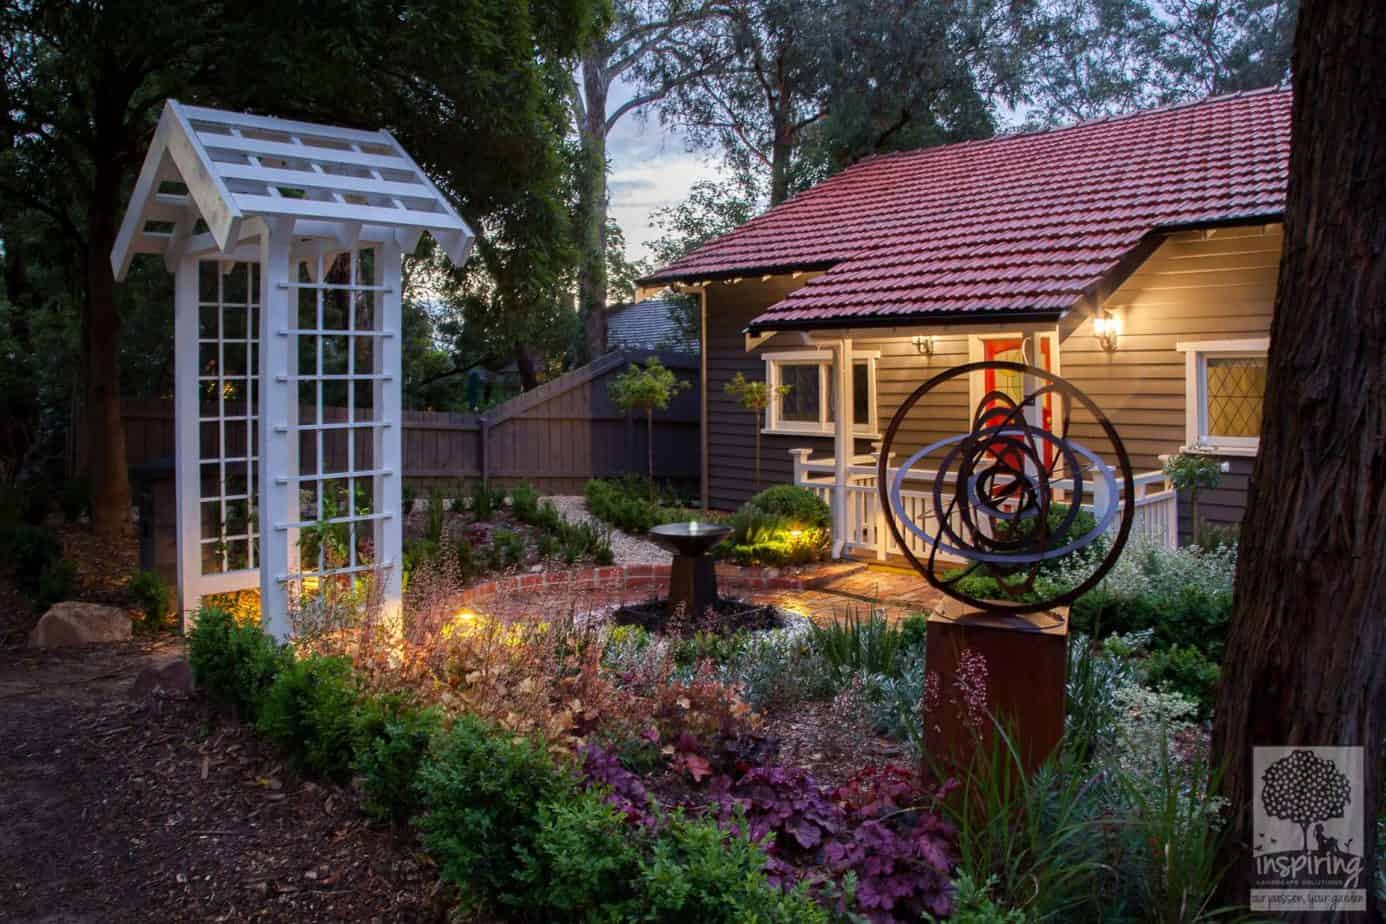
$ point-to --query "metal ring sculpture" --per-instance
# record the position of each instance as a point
(993, 491)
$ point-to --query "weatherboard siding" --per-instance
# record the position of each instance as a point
(731, 430)
(1193, 287)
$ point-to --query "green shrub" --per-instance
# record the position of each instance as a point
(972, 904)
(1185, 670)
(698, 874)
(151, 593)
(309, 711)
(233, 664)
(392, 737)
(435, 517)
(486, 500)
(1095, 675)
(407, 494)
(611, 502)
(783, 525)
(1182, 596)
(584, 864)
(507, 548)
(480, 789)
(800, 506)
(524, 503)
(57, 583)
(1083, 524)
(780, 669)
(29, 551)
(913, 630)
(547, 545)
(709, 646)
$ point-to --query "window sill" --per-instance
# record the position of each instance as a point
(817, 433)
(1246, 452)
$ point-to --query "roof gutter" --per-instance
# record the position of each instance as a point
(938, 319)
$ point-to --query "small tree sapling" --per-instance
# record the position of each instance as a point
(754, 396)
(649, 389)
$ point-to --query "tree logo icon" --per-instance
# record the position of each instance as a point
(1308, 822)
(1305, 788)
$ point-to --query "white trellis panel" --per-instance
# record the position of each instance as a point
(287, 242)
(216, 377)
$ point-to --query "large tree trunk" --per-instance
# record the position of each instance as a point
(524, 365)
(1308, 634)
(780, 151)
(110, 482)
(592, 207)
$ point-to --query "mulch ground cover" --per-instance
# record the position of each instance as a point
(162, 809)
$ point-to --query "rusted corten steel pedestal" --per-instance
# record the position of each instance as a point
(1027, 664)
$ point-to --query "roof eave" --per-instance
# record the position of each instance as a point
(692, 278)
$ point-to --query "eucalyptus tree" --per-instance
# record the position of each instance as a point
(843, 80)
(635, 34)
(1101, 57)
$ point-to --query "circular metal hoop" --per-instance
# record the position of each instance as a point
(1009, 484)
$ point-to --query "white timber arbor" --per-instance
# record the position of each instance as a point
(286, 241)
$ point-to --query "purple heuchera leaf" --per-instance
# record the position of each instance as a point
(625, 792)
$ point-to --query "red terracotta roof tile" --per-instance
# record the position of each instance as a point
(1018, 223)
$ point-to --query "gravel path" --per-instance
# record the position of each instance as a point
(629, 550)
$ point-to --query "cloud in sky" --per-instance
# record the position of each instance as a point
(651, 168)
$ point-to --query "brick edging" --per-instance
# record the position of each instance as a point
(629, 579)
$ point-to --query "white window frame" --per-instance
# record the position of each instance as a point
(1196, 356)
(824, 359)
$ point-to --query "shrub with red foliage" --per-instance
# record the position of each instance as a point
(878, 789)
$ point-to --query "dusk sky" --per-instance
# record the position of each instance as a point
(651, 167)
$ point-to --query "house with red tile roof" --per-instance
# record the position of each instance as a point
(1136, 256)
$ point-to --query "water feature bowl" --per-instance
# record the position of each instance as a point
(692, 539)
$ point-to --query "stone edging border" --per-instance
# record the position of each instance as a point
(634, 579)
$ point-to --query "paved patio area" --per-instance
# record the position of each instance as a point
(836, 591)
(897, 593)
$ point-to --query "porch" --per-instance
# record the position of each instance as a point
(859, 524)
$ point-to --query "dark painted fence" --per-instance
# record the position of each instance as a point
(556, 437)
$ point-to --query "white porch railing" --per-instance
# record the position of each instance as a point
(861, 527)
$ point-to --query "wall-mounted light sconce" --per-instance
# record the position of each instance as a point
(924, 345)
(1106, 326)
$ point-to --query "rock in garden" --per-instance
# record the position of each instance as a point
(175, 677)
(73, 623)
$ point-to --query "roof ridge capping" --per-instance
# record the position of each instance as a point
(345, 183)
(1021, 132)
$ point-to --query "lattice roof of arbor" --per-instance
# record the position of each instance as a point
(208, 171)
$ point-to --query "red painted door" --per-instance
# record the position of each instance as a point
(1008, 349)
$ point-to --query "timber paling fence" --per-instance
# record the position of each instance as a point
(555, 437)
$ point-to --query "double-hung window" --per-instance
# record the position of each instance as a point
(803, 393)
(1225, 388)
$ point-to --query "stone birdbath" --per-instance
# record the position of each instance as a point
(692, 577)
